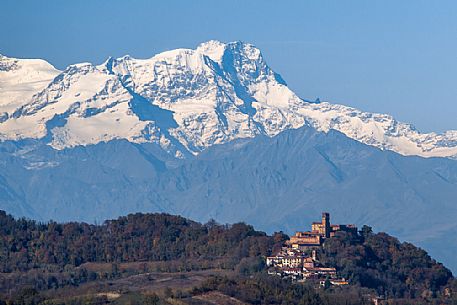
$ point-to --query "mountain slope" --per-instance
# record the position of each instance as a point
(184, 100)
(20, 79)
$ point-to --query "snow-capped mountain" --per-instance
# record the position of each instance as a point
(213, 133)
(184, 100)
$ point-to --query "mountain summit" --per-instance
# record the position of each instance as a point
(184, 100)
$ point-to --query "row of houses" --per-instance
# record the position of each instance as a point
(299, 266)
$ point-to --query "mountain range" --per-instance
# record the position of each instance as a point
(214, 133)
(185, 100)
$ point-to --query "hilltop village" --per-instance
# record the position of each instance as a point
(298, 258)
(173, 260)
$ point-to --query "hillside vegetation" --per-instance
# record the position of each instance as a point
(127, 259)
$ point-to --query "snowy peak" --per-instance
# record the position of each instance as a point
(185, 100)
(209, 90)
(20, 79)
(214, 49)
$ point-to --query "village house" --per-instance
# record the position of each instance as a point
(335, 282)
(317, 272)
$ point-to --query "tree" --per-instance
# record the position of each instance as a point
(168, 293)
(366, 231)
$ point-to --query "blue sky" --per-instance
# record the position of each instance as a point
(397, 57)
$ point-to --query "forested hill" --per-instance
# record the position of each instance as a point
(27, 244)
(50, 258)
(381, 262)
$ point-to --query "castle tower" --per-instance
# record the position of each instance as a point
(326, 224)
(314, 255)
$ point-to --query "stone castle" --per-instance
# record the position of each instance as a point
(319, 232)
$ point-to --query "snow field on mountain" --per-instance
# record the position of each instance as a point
(187, 100)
